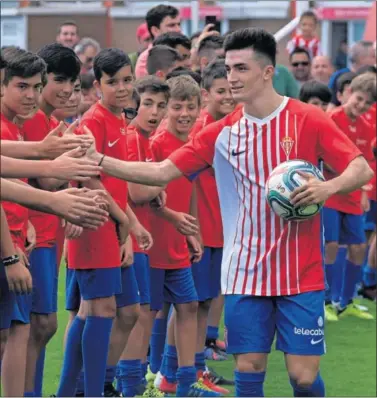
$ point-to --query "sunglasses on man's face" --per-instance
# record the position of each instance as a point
(130, 113)
(303, 63)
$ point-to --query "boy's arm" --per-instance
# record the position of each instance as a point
(143, 237)
(194, 210)
(141, 194)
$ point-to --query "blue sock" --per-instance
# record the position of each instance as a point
(329, 270)
(186, 376)
(212, 332)
(249, 384)
(95, 348)
(352, 274)
(29, 394)
(72, 363)
(38, 380)
(130, 376)
(170, 363)
(369, 276)
(338, 274)
(157, 343)
(80, 385)
(200, 362)
(317, 389)
(110, 374)
(119, 384)
(144, 370)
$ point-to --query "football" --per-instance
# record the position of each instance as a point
(283, 180)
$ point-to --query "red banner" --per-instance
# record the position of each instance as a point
(343, 13)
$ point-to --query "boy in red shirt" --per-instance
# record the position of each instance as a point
(207, 273)
(24, 78)
(170, 258)
(308, 38)
(343, 214)
(132, 367)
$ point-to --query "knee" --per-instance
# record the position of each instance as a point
(205, 305)
(187, 309)
(44, 327)
(303, 377)
(356, 253)
(331, 251)
(251, 363)
(3, 341)
(128, 316)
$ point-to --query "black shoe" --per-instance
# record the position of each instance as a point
(80, 394)
(110, 391)
(215, 378)
(368, 293)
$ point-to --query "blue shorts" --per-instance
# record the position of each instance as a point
(129, 293)
(7, 301)
(99, 283)
(72, 291)
(298, 320)
(347, 229)
(141, 267)
(175, 286)
(22, 308)
(371, 217)
(207, 274)
(44, 270)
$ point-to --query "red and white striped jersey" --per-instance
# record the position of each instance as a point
(264, 255)
(313, 46)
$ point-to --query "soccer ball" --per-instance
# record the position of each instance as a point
(283, 180)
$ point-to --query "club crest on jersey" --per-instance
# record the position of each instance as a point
(287, 145)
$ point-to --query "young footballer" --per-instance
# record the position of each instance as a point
(272, 271)
(315, 93)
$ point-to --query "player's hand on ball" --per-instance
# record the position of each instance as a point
(186, 224)
(313, 191)
(143, 237)
(127, 253)
(195, 248)
(18, 276)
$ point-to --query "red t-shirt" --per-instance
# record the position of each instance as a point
(17, 216)
(138, 151)
(370, 115)
(170, 250)
(264, 255)
(46, 225)
(211, 226)
(100, 248)
(361, 134)
(372, 193)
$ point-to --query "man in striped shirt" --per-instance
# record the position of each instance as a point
(272, 270)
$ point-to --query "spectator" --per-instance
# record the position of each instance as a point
(322, 69)
(68, 34)
(162, 60)
(361, 53)
(307, 39)
(144, 39)
(300, 65)
(179, 42)
(343, 87)
(341, 58)
(86, 50)
(209, 49)
(315, 93)
(160, 19)
(88, 93)
(181, 71)
(284, 82)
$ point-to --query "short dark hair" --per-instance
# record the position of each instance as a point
(309, 14)
(173, 39)
(344, 80)
(157, 14)
(299, 50)
(87, 80)
(3, 63)
(161, 58)
(211, 43)
(61, 60)
(214, 70)
(109, 61)
(259, 40)
(152, 84)
(314, 88)
(182, 71)
(68, 23)
(22, 63)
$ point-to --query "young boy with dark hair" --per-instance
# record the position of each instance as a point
(315, 93)
(162, 60)
(343, 91)
(132, 367)
(179, 42)
(106, 281)
(23, 81)
(343, 214)
(307, 38)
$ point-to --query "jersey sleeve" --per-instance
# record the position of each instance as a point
(97, 130)
(290, 46)
(198, 153)
(333, 146)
